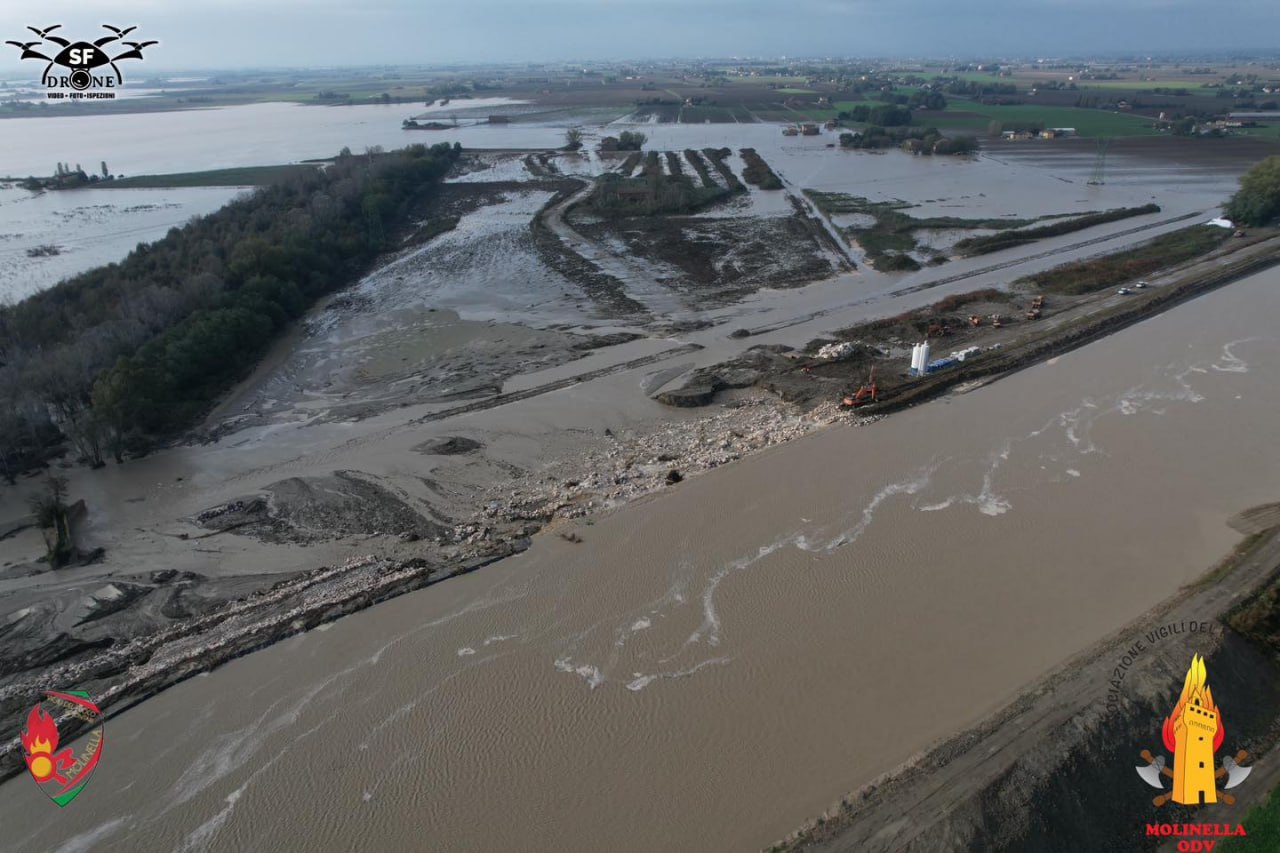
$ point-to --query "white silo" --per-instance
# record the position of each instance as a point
(924, 357)
(915, 358)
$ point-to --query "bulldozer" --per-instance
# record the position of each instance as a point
(865, 395)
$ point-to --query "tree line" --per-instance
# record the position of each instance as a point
(121, 356)
(1257, 202)
(916, 140)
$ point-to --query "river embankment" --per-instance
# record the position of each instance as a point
(580, 482)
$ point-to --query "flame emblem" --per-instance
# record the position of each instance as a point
(40, 737)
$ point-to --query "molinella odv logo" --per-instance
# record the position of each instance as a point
(61, 773)
(81, 69)
(1193, 733)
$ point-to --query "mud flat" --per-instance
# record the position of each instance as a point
(804, 378)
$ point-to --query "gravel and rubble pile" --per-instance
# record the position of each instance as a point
(610, 471)
(632, 464)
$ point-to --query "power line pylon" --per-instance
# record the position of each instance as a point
(1100, 162)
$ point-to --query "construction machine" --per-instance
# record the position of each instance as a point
(866, 394)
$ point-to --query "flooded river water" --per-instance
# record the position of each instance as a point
(93, 227)
(711, 666)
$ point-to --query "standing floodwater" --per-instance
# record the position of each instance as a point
(710, 667)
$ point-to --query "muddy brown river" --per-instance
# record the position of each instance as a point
(712, 666)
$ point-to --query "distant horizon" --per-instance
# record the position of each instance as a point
(308, 34)
(31, 69)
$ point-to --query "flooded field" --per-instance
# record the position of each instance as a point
(601, 691)
(87, 229)
(93, 227)
(712, 666)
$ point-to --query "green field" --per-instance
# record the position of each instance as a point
(1088, 122)
(1263, 825)
(765, 80)
(700, 114)
(247, 176)
(1271, 130)
(1192, 87)
(1027, 80)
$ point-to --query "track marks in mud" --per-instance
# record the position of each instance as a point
(938, 282)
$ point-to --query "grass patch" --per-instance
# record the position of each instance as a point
(955, 302)
(1166, 250)
(877, 241)
(1258, 617)
(245, 176)
(651, 194)
(434, 227)
(629, 164)
(716, 156)
(896, 262)
(700, 166)
(1262, 824)
(780, 115)
(652, 166)
(831, 203)
(702, 114)
(1007, 239)
(1228, 563)
(893, 229)
(757, 171)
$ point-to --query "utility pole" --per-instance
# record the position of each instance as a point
(1100, 162)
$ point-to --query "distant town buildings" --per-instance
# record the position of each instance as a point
(1047, 133)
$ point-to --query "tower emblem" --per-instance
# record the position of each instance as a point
(1193, 733)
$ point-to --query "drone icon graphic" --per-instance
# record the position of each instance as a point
(81, 57)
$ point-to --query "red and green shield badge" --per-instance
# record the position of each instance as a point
(62, 773)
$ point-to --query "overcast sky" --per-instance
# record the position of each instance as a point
(263, 33)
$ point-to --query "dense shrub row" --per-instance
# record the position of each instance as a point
(134, 351)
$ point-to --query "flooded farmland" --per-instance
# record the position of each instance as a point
(712, 666)
(708, 666)
(85, 229)
(94, 227)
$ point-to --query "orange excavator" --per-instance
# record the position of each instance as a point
(865, 394)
